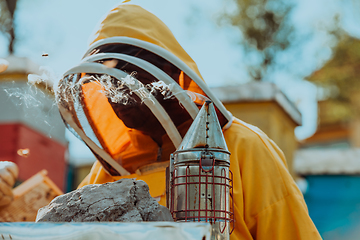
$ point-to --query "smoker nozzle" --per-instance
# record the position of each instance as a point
(205, 131)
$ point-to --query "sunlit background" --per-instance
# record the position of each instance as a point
(309, 49)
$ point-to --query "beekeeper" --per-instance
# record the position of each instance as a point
(8, 170)
(8, 174)
(3, 65)
(132, 99)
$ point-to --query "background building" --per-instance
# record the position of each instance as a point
(263, 105)
(329, 160)
(32, 133)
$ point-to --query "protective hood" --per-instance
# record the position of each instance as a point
(135, 93)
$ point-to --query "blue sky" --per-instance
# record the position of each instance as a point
(62, 29)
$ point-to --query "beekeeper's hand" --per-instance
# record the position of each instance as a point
(3, 65)
(8, 174)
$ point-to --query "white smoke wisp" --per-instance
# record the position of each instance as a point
(165, 89)
(34, 104)
(120, 91)
(47, 77)
(197, 97)
(115, 90)
(70, 87)
(19, 96)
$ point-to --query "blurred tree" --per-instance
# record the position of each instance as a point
(266, 29)
(339, 80)
(7, 10)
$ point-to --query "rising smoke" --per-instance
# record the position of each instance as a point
(118, 91)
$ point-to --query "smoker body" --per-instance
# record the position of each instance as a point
(200, 180)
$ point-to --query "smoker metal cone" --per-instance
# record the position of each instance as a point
(205, 131)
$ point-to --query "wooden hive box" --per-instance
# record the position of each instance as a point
(29, 197)
(265, 106)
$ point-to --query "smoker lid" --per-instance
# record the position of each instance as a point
(205, 131)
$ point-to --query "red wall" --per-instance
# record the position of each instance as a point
(45, 153)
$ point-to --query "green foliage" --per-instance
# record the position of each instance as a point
(266, 30)
(340, 76)
(342, 71)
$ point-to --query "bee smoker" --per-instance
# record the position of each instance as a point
(200, 182)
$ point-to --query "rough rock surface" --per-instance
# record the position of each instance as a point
(126, 200)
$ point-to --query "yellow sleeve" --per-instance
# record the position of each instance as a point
(156, 180)
(268, 204)
(97, 175)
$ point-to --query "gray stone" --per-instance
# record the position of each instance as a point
(126, 200)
